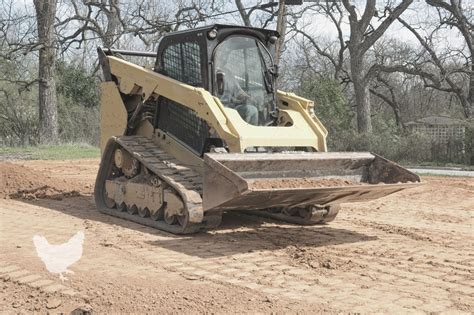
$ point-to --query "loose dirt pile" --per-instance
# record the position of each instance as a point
(300, 183)
(321, 260)
(21, 182)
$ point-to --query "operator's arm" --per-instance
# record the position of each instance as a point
(238, 95)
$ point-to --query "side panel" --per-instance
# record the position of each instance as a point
(113, 116)
(305, 131)
(133, 77)
(306, 108)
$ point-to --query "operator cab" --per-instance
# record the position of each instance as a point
(243, 76)
(234, 63)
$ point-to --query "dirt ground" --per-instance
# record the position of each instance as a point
(411, 252)
(299, 183)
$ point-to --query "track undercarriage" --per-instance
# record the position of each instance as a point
(150, 187)
(140, 182)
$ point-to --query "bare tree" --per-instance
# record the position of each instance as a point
(363, 36)
(260, 15)
(332, 51)
(149, 21)
(48, 111)
(101, 18)
(449, 70)
(245, 14)
(447, 77)
(380, 90)
(118, 22)
(357, 69)
(281, 28)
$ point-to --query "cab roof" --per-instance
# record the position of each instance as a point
(227, 27)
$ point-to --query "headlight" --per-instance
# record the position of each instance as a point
(212, 34)
(272, 39)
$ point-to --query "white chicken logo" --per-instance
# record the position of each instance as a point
(57, 258)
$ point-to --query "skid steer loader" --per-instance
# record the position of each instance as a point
(205, 131)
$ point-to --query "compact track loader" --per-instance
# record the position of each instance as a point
(205, 131)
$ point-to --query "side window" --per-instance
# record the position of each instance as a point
(182, 62)
(172, 62)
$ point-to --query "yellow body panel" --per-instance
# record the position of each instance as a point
(299, 125)
(113, 115)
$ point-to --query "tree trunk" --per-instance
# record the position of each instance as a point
(470, 96)
(364, 121)
(398, 120)
(362, 95)
(48, 110)
(281, 28)
(393, 103)
(113, 24)
(243, 13)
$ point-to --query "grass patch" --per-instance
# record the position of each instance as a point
(55, 152)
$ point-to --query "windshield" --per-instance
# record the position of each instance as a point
(243, 80)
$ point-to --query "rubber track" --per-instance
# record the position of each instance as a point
(184, 180)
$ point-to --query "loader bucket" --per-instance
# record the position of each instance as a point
(254, 181)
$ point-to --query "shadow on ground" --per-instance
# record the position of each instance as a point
(238, 233)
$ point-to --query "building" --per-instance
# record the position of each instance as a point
(440, 129)
(451, 141)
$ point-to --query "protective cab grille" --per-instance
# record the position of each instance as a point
(183, 124)
(182, 62)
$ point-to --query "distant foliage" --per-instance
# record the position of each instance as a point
(330, 105)
(18, 116)
(18, 103)
(78, 110)
(470, 143)
(407, 148)
(387, 140)
(78, 124)
(412, 148)
(77, 85)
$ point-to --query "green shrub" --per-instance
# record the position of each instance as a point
(18, 117)
(78, 110)
(413, 148)
(78, 124)
(75, 84)
(331, 107)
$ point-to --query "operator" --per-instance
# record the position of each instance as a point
(235, 97)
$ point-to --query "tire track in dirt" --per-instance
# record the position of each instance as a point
(270, 272)
(393, 262)
(140, 258)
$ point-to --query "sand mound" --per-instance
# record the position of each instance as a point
(21, 182)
